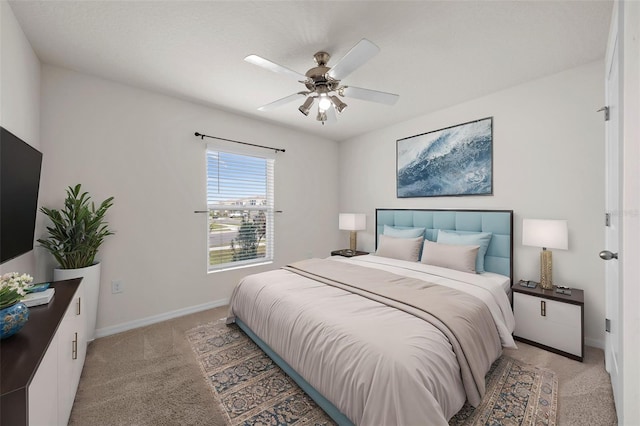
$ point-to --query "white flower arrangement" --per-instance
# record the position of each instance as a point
(13, 286)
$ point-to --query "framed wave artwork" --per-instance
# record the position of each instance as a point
(456, 160)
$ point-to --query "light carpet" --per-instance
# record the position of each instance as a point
(251, 389)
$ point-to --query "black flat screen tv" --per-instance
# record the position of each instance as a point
(20, 166)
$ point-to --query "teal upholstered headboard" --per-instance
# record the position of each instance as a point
(499, 257)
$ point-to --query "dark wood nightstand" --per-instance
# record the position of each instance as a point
(348, 253)
(550, 320)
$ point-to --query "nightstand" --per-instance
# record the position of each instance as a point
(550, 320)
(348, 253)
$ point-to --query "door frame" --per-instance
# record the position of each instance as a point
(629, 61)
(629, 19)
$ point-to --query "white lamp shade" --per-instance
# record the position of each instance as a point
(545, 233)
(352, 221)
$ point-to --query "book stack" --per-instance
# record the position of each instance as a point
(38, 298)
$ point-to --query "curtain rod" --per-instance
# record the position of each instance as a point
(244, 143)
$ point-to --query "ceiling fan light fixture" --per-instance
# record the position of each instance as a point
(324, 82)
(338, 104)
(306, 106)
(324, 103)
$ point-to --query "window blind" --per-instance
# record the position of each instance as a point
(240, 200)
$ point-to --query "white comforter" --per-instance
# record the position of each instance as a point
(400, 370)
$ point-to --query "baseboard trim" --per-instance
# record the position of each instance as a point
(108, 331)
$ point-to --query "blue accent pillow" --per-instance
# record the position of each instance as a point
(481, 239)
(403, 233)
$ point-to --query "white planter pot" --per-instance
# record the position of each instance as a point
(91, 283)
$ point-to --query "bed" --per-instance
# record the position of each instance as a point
(384, 339)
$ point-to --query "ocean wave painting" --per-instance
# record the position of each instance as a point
(457, 160)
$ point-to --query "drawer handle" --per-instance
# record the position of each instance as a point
(79, 302)
(543, 308)
(74, 347)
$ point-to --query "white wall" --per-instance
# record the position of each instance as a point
(140, 147)
(19, 104)
(548, 147)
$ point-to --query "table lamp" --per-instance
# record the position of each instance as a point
(352, 222)
(546, 234)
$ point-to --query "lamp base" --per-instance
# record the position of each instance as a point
(546, 280)
(352, 240)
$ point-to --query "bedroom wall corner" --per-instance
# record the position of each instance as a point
(548, 147)
(19, 107)
(139, 146)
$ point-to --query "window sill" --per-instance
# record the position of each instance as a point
(233, 268)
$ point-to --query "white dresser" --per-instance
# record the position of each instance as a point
(41, 364)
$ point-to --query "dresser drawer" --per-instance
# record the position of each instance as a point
(551, 323)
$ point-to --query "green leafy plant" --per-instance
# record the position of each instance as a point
(78, 229)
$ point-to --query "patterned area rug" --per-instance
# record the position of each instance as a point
(517, 394)
(253, 390)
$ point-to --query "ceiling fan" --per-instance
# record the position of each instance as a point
(324, 83)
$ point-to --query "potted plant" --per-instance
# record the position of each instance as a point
(77, 232)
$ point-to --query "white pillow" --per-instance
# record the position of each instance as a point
(403, 233)
(471, 238)
(458, 257)
(399, 248)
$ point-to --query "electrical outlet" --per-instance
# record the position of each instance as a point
(117, 286)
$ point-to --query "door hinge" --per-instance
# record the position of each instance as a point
(606, 112)
(607, 219)
(607, 325)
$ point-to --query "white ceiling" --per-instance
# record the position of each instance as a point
(434, 54)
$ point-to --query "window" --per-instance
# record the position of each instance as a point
(241, 207)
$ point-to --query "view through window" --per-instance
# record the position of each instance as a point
(241, 206)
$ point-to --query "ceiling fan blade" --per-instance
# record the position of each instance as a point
(370, 95)
(358, 55)
(280, 102)
(272, 66)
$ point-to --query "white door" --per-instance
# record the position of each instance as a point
(613, 348)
